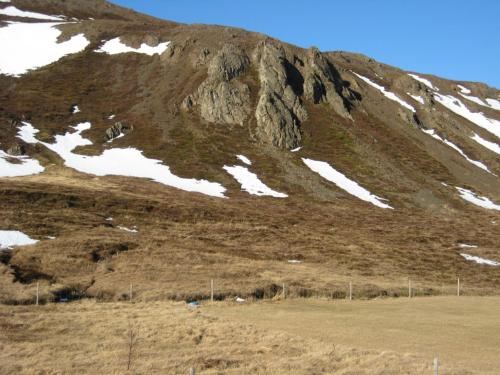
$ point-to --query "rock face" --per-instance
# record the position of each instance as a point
(221, 98)
(323, 84)
(117, 129)
(279, 110)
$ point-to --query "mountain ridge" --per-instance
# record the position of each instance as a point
(164, 106)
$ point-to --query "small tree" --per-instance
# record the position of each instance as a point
(132, 339)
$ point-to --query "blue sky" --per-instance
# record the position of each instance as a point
(455, 39)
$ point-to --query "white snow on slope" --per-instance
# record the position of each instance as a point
(10, 238)
(433, 134)
(125, 229)
(244, 159)
(115, 46)
(250, 182)
(492, 146)
(478, 118)
(75, 109)
(490, 103)
(26, 166)
(13, 11)
(495, 104)
(296, 149)
(417, 98)
(326, 171)
(480, 260)
(463, 90)
(467, 246)
(26, 46)
(474, 99)
(386, 93)
(424, 81)
(117, 161)
(477, 200)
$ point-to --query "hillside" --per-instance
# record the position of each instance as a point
(140, 151)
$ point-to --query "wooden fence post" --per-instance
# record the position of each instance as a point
(458, 287)
(37, 292)
(350, 290)
(409, 288)
(130, 292)
(436, 366)
(284, 291)
(211, 295)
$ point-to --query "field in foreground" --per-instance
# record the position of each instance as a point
(296, 336)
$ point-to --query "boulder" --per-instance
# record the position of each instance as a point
(117, 129)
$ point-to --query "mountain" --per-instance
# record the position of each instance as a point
(140, 151)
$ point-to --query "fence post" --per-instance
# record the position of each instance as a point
(130, 292)
(458, 287)
(350, 290)
(409, 288)
(284, 291)
(211, 296)
(37, 292)
(436, 366)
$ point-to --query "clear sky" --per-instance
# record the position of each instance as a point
(455, 39)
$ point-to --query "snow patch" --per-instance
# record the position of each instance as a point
(111, 117)
(478, 164)
(27, 46)
(424, 81)
(244, 159)
(125, 229)
(495, 104)
(117, 161)
(25, 167)
(296, 149)
(10, 238)
(115, 46)
(75, 109)
(14, 12)
(464, 90)
(250, 182)
(489, 145)
(474, 99)
(490, 103)
(326, 171)
(386, 93)
(467, 246)
(417, 98)
(294, 261)
(478, 118)
(480, 260)
(477, 200)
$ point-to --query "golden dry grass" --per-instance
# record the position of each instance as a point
(463, 332)
(91, 338)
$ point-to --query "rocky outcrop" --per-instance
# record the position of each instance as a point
(279, 111)
(323, 84)
(118, 129)
(221, 98)
(16, 150)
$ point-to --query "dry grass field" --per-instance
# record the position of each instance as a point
(463, 332)
(392, 336)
